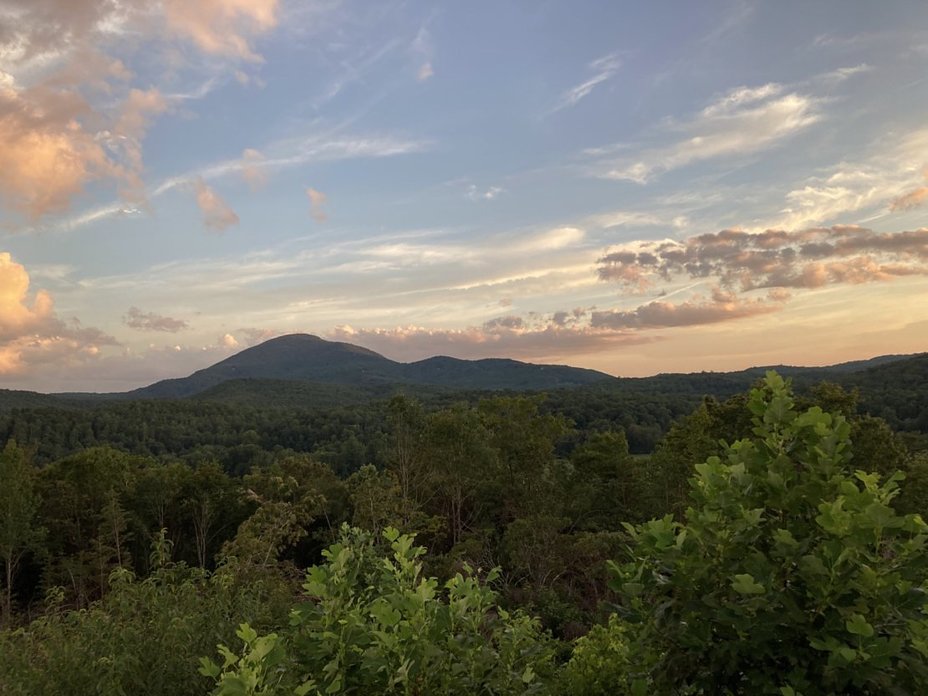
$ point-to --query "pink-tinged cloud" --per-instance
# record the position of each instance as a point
(910, 200)
(774, 259)
(511, 337)
(253, 170)
(57, 133)
(47, 156)
(30, 331)
(720, 307)
(150, 321)
(217, 215)
(222, 27)
(317, 201)
(50, 153)
(135, 116)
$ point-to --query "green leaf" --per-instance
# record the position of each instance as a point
(208, 668)
(744, 583)
(858, 625)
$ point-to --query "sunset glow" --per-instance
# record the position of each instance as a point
(631, 187)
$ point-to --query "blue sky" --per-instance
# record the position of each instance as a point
(634, 187)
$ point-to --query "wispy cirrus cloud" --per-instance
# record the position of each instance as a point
(744, 121)
(510, 336)
(294, 152)
(911, 199)
(603, 69)
(882, 181)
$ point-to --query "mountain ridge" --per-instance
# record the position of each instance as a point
(317, 370)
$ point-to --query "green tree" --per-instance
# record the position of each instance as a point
(790, 574)
(375, 625)
(609, 489)
(19, 506)
(462, 459)
(83, 507)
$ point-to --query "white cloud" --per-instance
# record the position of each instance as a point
(488, 194)
(878, 182)
(603, 68)
(558, 238)
(744, 121)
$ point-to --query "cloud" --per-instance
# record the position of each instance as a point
(509, 337)
(603, 68)
(488, 194)
(69, 114)
(558, 238)
(720, 307)
(31, 332)
(253, 170)
(744, 121)
(294, 152)
(808, 258)
(422, 48)
(910, 200)
(134, 118)
(874, 182)
(222, 27)
(636, 218)
(47, 155)
(253, 336)
(317, 201)
(842, 74)
(228, 341)
(149, 321)
(217, 215)
(425, 72)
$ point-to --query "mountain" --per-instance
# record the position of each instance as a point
(305, 358)
(301, 370)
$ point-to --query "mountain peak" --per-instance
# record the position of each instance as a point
(307, 358)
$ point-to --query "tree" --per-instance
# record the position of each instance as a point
(375, 625)
(609, 489)
(790, 574)
(462, 459)
(19, 504)
(212, 505)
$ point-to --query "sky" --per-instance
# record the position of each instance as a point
(631, 187)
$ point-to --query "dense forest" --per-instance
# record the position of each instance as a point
(588, 541)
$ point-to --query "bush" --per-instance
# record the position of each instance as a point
(791, 573)
(374, 625)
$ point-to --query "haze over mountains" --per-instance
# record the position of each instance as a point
(301, 369)
(306, 358)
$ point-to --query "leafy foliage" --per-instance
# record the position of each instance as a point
(790, 574)
(374, 624)
(142, 638)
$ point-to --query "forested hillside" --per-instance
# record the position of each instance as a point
(506, 544)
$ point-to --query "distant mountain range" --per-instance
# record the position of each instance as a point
(300, 369)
